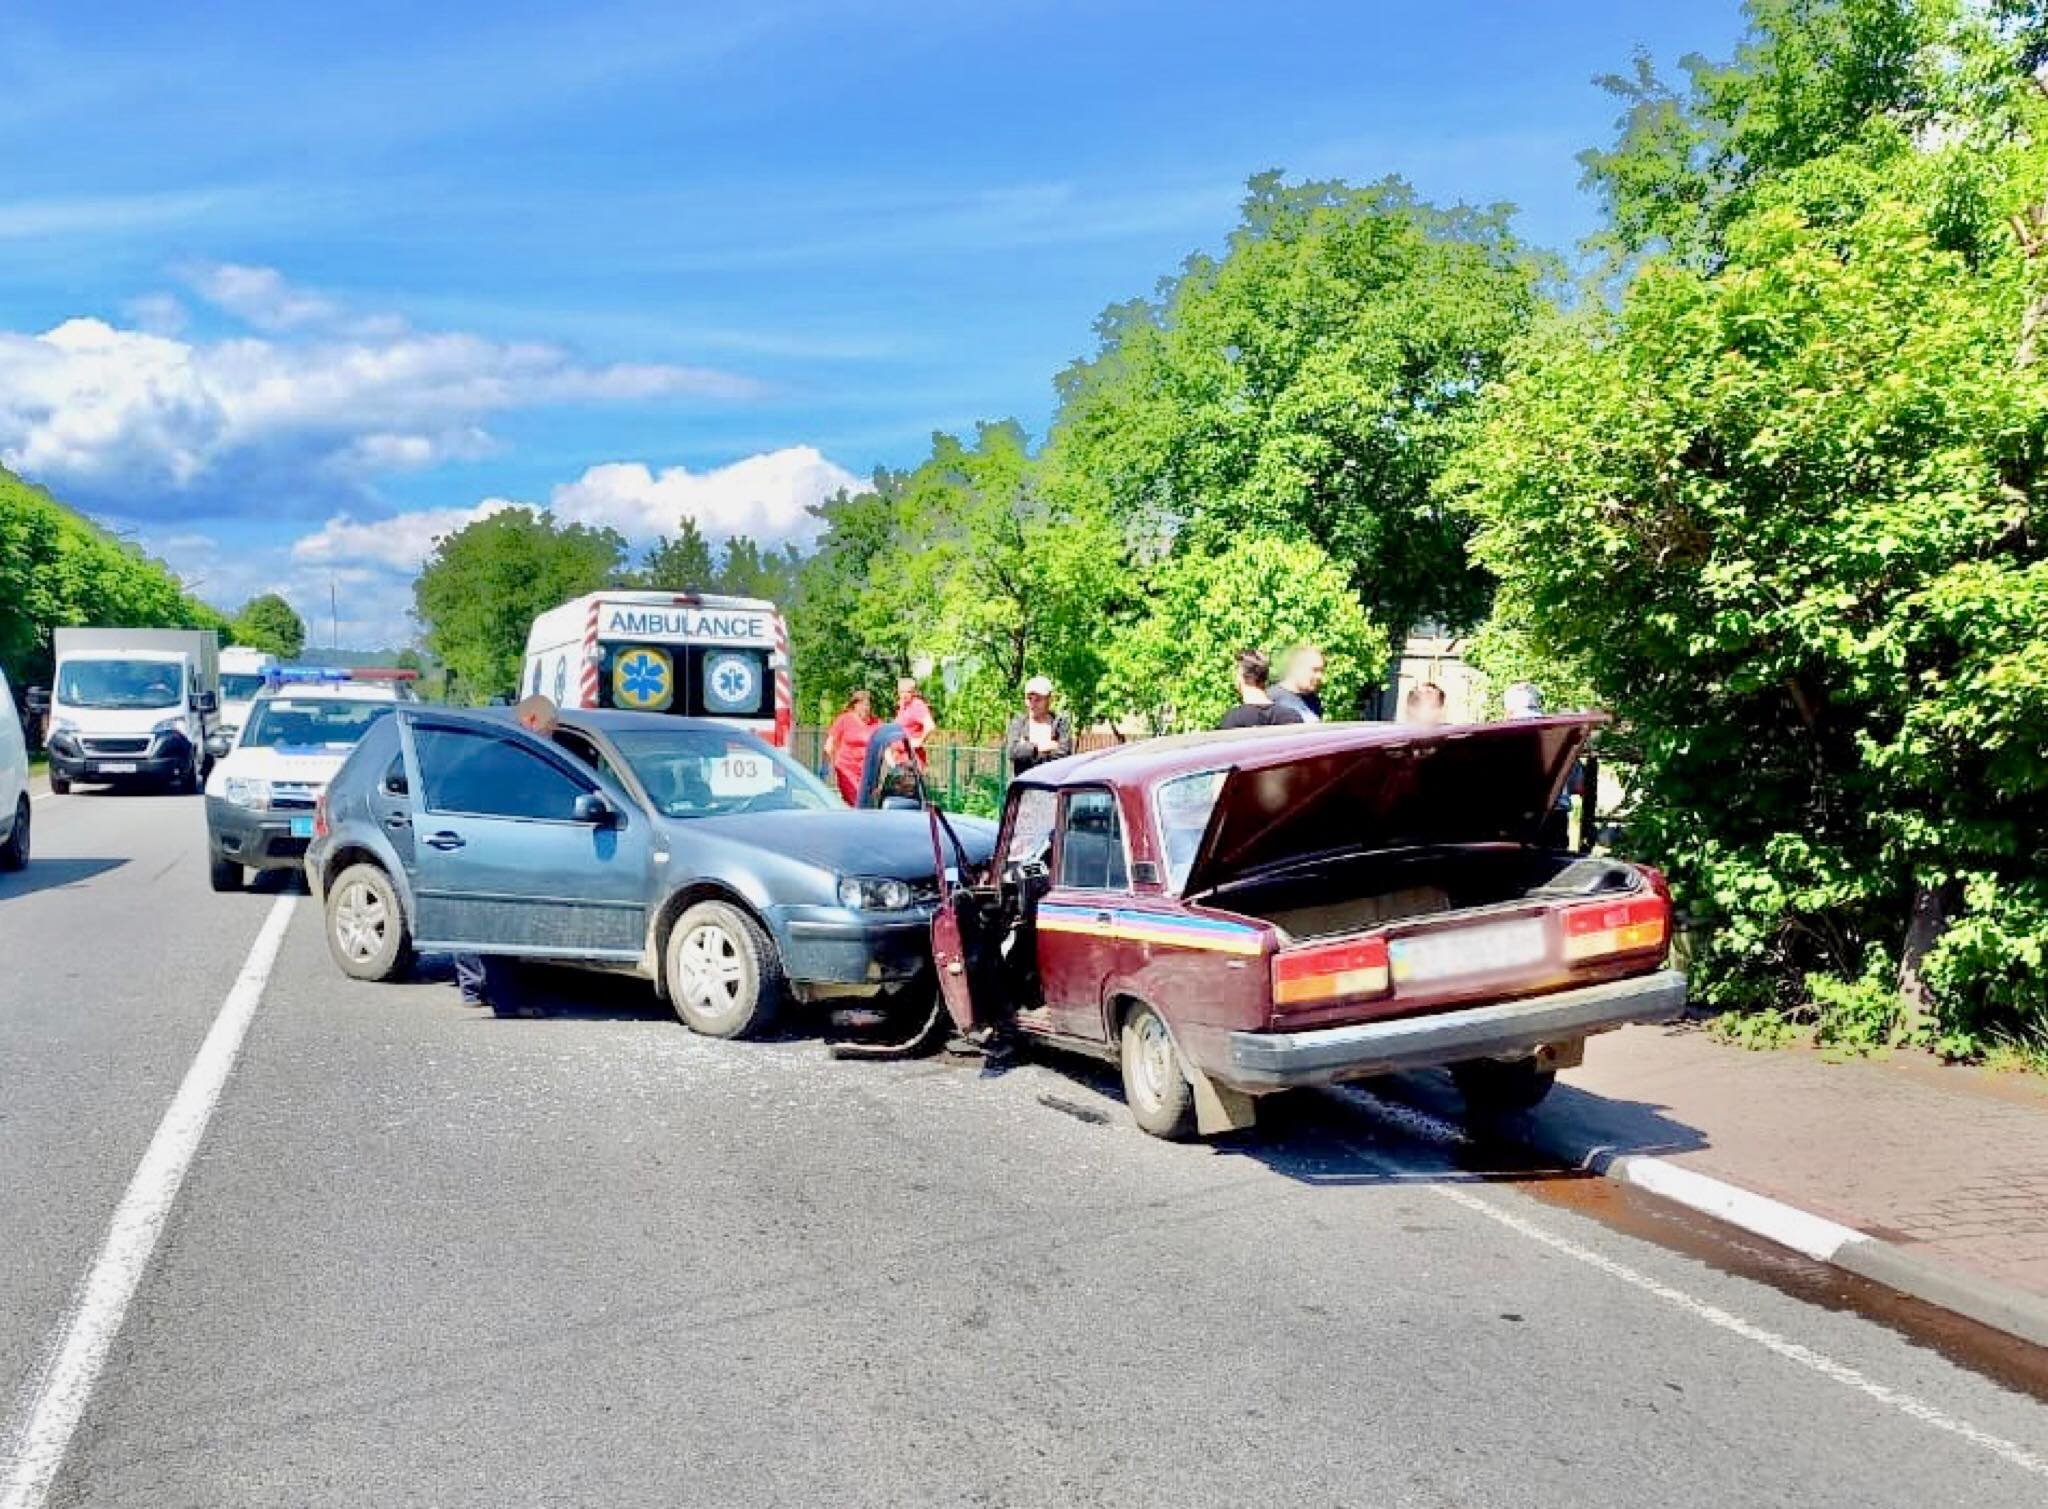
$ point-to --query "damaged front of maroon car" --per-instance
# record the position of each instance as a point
(1232, 916)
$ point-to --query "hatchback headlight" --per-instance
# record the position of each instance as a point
(864, 893)
(244, 791)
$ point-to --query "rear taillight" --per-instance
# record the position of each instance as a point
(1639, 925)
(320, 828)
(1331, 972)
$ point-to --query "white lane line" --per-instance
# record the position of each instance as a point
(41, 796)
(37, 1445)
(1455, 1188)
(1906, 1404)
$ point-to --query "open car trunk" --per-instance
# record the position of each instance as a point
(1479, 793)
(1369, 890)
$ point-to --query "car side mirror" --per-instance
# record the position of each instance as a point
(39, 699)
(205, 702)
(217, 745)
(591, 807)
(901, 804)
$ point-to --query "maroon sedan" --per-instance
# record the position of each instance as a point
(1228, 915)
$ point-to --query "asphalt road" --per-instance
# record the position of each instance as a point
(428, 1256)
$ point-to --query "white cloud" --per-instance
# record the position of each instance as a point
(766, 496)
(119, 416)
(399, 543)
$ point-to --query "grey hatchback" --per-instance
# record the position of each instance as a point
(677, 849)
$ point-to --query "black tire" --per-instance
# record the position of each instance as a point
(192, 779)
(1156, 1084)
(366, 931)
(1492, 1087)
(60, 785)
(723, 975)
(14, 853)
(223, 874)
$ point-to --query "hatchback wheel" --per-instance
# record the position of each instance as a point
(1156, 1087)
(366, 929)
(14, 853)
(723, 975)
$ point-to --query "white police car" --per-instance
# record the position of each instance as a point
(263, 790)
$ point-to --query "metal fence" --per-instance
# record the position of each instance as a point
(966, 777)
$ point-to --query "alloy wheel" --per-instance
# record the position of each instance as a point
(360, 921)
(710, 972)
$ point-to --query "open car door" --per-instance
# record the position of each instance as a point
(958, 919)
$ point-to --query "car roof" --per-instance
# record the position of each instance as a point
(335, 691)
(1148, 761)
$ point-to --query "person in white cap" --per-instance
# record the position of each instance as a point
(1038, 733)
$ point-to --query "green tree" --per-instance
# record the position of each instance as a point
(1175, 662)
(1310, 382)
(680, 562)
(58, 569)
(1778, 507)
(481, 589)
(268, 623)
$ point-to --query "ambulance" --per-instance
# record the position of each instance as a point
(692, 654)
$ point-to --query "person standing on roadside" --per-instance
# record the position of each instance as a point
(1425, 706)
(492, 981)
(846, 743)
(1255, 706)
(914, 717)
(1302, 687)
(1038, 733)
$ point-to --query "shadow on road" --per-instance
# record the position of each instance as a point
(54, 874)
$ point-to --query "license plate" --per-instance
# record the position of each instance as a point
(1468, 951)
(302, 827)
(117, 767)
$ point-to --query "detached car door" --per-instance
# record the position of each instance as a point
(502, 861)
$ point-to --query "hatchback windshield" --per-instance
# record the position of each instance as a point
(310, 722)
(120, 683)
(699, 772)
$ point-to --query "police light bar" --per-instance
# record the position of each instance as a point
(382, 673)
(305, 675)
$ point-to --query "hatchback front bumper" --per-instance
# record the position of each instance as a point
(1509, 1029)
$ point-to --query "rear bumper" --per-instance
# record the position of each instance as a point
(1288, 1060)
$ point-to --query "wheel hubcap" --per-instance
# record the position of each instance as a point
(360, 922)
(1154, 1060)
(709, 972)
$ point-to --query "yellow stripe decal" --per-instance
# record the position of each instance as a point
(1216, 940)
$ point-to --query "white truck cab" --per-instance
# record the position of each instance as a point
(265, 787)
(132, 705)
(14, 802)
(243, 673)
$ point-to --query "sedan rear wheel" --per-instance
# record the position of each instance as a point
(724, 977)
(1497, 1087)
(1156, 1087)
(366, 930)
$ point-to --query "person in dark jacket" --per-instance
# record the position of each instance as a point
(1038, 733)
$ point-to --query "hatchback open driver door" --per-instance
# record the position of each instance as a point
(516, 851)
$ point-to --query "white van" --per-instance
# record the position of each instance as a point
(132, 705)
(14, 807)
(692, 654)
(243, 673)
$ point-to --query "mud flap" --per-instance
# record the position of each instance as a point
(1218, 1108)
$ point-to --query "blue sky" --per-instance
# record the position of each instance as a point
(285, 290)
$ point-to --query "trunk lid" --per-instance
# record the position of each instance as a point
(1386, 789)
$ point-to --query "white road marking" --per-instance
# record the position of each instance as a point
(1906, 1404)
(37, 1445)
(40, 796)
(1457, 1190)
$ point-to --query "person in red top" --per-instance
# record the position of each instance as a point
(915, 716)
(846, 743)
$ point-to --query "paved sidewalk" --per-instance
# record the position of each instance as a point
(1947, 1164)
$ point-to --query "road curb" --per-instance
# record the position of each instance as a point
(1987, 1301)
